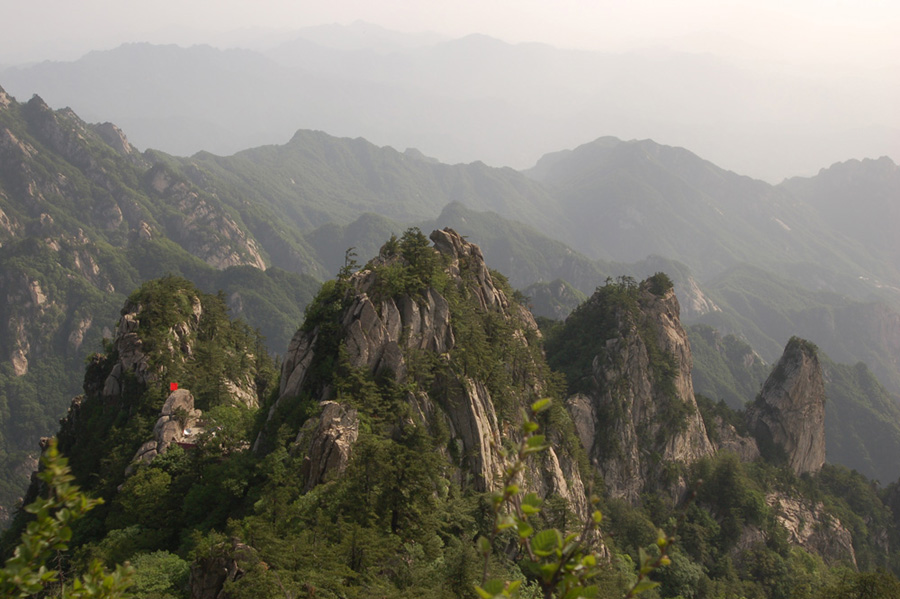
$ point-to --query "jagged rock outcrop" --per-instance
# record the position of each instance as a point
(227, 563)
(30, 319)
(327, 442)
(391, 335)
(789, 414)
(129, 346)
(5, 100)
(727, 438)
(810, 527)
(203, 228)
(115, 138)
(695, 303)
(638, 412)
(178, 345)
(178, 423)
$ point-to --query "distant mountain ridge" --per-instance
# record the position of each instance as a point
(473, 98)
(629, 199)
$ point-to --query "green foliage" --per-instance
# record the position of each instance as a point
(659, 284)
(711, 412)
(564, 565)
(160, 575)
(409, 266)
(26, 574)
(616, 311)
(143, 498)
(572, 349)
(855, 501)
(734, 499)
(863, 585)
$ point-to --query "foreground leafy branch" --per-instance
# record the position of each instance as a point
(25, 574)
(564, 565)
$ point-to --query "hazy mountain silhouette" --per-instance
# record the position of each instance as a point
(473, 98)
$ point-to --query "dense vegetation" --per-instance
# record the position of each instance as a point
(398, 522)
(614, 308)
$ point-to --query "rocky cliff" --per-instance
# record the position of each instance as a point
(169, 332)
(161, 336)
(636, 414)
(789, 414)
(83, 216)
(809, 526)
(435, 323)
(84, 219)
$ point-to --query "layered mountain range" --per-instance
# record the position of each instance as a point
(85, 218)
(474, 98)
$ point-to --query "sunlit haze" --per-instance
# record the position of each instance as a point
(768, 88)
(866, 32)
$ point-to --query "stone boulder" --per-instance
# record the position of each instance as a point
(178, 423)
(789, 414)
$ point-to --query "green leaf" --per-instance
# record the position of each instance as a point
(546, 541)
(536, 441)
(574, 593)
(495, 586)
(549, 570)
(597, 516)
(506, 522)
(580, 592)
(644, 585)
(525, 529)
(540, 405)
(642, 558)
(482, 593)
(484, 545)
(532, 499)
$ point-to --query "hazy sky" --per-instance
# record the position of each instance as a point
(849, 32)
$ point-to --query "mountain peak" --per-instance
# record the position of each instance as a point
(790, 411)
(440, 334)
(632, 371)
(865, 167)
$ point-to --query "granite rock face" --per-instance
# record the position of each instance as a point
(789, 413)
(178, 423)
(181, 338)
(327, 442)
(729, 439)
(810, 527)
(230, 562)
(640, 412)
(392, 335)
